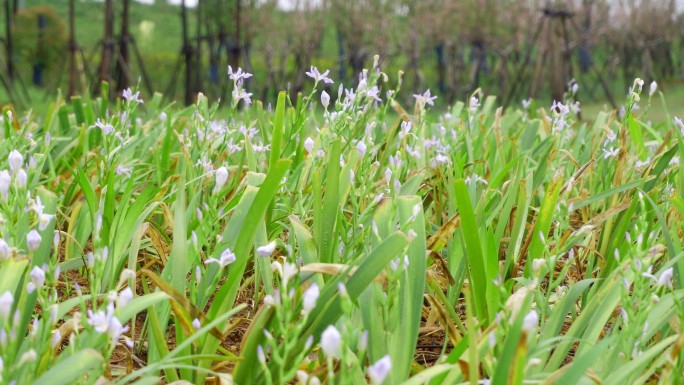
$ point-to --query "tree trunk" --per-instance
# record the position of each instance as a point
(235, 48)
(123, 64)
(108, 43)
(557, 63)
(72, 51)
(188, 55)
(9, 45)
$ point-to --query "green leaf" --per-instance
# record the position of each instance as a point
(475, 256)
(72, 369)
(278, 127)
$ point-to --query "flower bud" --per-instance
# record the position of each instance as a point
(310, 297)
(22, 178)
(379, 370)
(325, 99)
(221, 178)
(331, 342)
(309, 145)
(6, 301)
(5, 180)
(530, 322)
(33, 240)
(267, 249)
(16, 160)
(4, 250)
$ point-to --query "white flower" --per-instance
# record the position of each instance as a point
(379, 370)
(515, 301)
(98, 321)
(476, 178)
(239, 93)
(267, 249)
(6, 301)
(361, 148)
(666, 278)
(36, 205)
(653, 89)
(4, 250)
(373, 93)
(610, 153)
(331, 342)
(37, 277)
(106, 322)
(325, 99)
(526, 104)
(639, 83)
(22, 178)
(679, 124)
(342, 289)
(106, 128)
(33, 240)
(54, 313)
(302, 377)
(196, 324)
(227, 257)
(425, 98)
(123, 170)
(261, 355)
(474, 104)
(126, 274)
(388, 175)
(538, 264)
(124, 298)
(130, 96)
(16, 160)
(575, 107)
(310, 297)
(221, 178)
(363, 341)
(115, 329)
(269, 300)
(55, 242)
(5, 181)
(286, 270)
(405, 129)
(530, 322)
(309, 145)
(44, 220)
(238, 75)
(29, 356)
(56, 338)
(317, 76)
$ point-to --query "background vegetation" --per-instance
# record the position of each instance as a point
(449, 47)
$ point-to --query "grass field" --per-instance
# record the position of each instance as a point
(360, 241)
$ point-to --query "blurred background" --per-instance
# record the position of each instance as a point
(514, 49)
